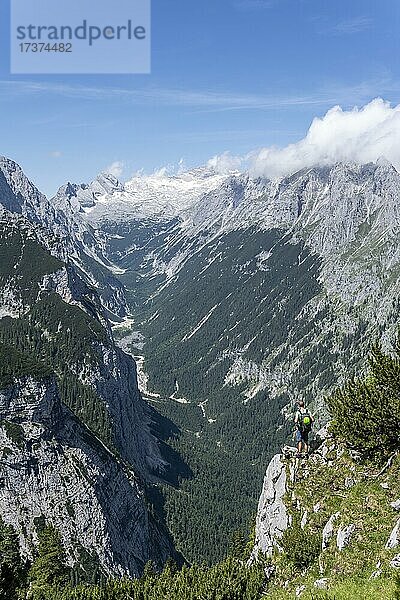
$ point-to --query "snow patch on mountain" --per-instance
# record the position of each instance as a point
(146, 196)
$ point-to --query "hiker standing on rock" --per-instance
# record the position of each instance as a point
(303, 421)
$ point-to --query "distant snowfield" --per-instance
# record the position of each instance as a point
(147, 196)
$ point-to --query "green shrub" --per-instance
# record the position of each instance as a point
(366, 411)
(397, 592)
(301, 546)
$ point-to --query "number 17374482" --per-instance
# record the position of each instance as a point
(43, 47)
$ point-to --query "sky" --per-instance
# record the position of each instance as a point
(228, 78)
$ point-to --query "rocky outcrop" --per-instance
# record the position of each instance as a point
(344, 524)
(395, 562)
(328, 530)
(53, 470)
(272, 517)
(115, 380)
(394, 538)
(321, 584)
(344, 535)
(110, 373)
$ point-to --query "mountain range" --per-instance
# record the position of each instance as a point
(232, 296)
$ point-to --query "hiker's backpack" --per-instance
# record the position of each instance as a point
(305, 422)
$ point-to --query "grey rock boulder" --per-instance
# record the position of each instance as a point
(321, 584)
(378, 571)
(344, 536)
(349, 483)
(395, 562)
(328, 530)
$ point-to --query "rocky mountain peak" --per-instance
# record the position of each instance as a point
(19, 195)
(108, 182)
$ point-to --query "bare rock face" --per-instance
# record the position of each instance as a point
(395, 562)
(344, 536)
(394, 538)
(18, 195)
(328, 530)
(272, 517)
(53, 470)
(115, 380)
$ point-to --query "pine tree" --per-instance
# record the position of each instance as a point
(49, 571)
(238, 544)
(366, 411)
(12, 568)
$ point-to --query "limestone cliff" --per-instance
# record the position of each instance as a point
(54, 470)
(272, 515)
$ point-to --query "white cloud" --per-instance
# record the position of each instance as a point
(359, 135)
(226, 162)
(207, 100)
(354, 25)
(56, 154)
(116, 168)
(253, 4)
(349, 26)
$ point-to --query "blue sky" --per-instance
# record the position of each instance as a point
(226, 75)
